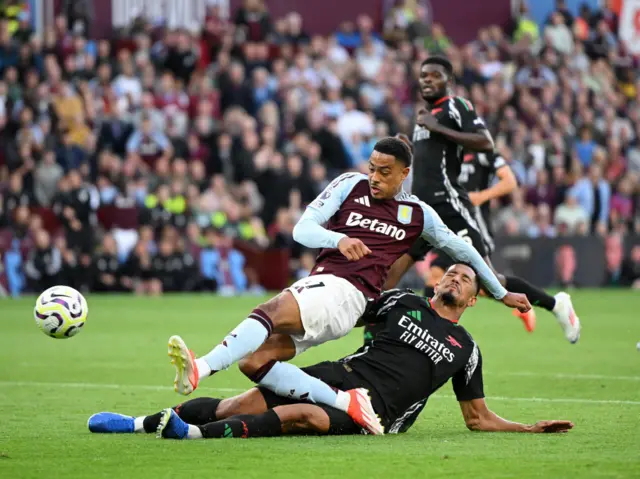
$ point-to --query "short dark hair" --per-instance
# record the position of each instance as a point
(442, 61)
(396, 148)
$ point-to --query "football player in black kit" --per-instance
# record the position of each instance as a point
(445, 129)
(420, 349)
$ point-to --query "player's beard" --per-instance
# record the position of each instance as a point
(449, 299)
(431, 98)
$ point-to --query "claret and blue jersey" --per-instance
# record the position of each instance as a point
(387, 227)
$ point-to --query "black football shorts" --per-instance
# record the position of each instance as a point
(336, 375)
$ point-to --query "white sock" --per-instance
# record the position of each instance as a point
(203, 368)
(288, 380)
(194, 432)
(138, 424)
(242, 341)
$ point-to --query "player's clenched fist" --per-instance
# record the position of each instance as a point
(518, 301)
(353, 249)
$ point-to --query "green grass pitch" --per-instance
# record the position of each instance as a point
(49, 388)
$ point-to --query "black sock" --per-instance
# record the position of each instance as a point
(196, 411)
(244, 426)
(151, 423)
(428, 292)
(536, 296)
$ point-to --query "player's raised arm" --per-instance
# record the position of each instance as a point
(436, 233)
(310, 232)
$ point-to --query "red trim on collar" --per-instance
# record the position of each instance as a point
(442, 100)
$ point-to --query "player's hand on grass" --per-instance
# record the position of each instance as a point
(427, 120)
(353, 249)
(551, 426)
(518, 301)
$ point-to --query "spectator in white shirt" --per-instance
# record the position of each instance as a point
(128, 85)
(559, 34)
(570, 218)
(354, 121)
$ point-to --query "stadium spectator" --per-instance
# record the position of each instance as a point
(146, 146)
(570, 218)
(593, 194)
(108, 275)
(221, 266)
(240, 125)
(44, 264)
(46, 177)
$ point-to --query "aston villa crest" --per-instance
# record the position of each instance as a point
(404, 214)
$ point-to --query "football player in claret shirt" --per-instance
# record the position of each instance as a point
(445, 129)
(420, 349)
(369, 223)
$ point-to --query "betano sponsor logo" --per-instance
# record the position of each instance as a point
(420, 339)
(356, 219)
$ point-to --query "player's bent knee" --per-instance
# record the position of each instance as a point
(250, 402)
(250, 365)
(284, 313)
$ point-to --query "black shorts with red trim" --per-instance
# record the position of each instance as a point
(338, 376)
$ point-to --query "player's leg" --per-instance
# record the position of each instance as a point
(559, 305)
(292, 419)
(197, 411)
(280, 314)
(266, 368)
(316, 384)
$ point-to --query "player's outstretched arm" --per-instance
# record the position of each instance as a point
(478, 417)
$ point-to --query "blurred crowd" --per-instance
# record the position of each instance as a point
(221, 136)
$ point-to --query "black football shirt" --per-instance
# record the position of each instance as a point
(437, 160)
(415, 355)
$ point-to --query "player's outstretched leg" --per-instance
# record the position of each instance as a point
(267, 424)
(560, 305)
(288, 419)
(196, 411)
(265, 368)
(280, 314)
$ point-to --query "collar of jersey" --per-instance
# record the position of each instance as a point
(442, 100)
(401, 196)
(455, 321)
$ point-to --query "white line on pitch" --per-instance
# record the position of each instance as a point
(564, 375)
(237, 390)
(143, 387)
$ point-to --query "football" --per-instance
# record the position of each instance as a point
(60, 312)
